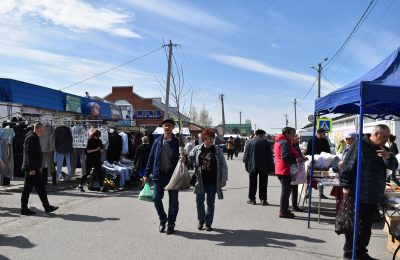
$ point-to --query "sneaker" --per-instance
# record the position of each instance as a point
(297, 208)
(27, 212)
(161, 228)
(208, 228)
(252, 202)
(286, 214)
(170, 229)
(50, 209)
(200, 225)
(264, 203)
(80, 188)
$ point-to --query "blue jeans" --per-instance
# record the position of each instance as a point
(202, 215)
(60, 160)
(158, 195)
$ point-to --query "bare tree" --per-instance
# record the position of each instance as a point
(205, 119)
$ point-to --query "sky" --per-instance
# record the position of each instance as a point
(257, 53)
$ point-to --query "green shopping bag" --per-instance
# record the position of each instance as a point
(146, 193)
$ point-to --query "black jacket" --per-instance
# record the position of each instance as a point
(321, 145)
(32, 156)
(63, 139)
(393, 148)
(373, 171)
(142, 156)
(258, 156)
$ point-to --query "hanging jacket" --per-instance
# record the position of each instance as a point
(285, 155)
(142, 156)
(63, 139)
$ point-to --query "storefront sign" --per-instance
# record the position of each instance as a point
(149, 114)
(73, 104)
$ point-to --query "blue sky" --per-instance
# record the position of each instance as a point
(258, 53)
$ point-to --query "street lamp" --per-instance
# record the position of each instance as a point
(319, 70)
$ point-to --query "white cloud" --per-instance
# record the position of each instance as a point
(184, 14)
(257, 66)
(72, 14)
(274, 45)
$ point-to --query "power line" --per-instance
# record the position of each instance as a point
(359, 23)
(309, 90)
(114, 68)
(328, 80)
(364, 39)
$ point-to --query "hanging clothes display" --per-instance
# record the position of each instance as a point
(114, 147)
(6, 155)
(47, 144)
(79, 142)
(18, 143)
(125, 145)
(63, 148)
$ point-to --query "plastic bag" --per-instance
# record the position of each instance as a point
(146, 193)
(180, 179)
(300, 176)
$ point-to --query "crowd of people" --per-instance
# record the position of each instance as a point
(261, 158)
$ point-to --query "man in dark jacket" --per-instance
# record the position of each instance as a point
(32, 162)
(164, 156)
(321, 143)
(375, 160)
(258, 162)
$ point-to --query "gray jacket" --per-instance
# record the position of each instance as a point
(222, 169)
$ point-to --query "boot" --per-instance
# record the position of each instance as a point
(45, 176)
(54, 178)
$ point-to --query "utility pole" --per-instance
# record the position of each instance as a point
(223, 113)
(287, 121)
(240, 122)
(319, 70)
(295, 113)
(170, 45)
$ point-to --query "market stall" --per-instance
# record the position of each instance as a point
(377, 94)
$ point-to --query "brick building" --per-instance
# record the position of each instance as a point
(139, 112)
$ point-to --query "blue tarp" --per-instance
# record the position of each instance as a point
(32, 95)
(376, 93)
(380, 89)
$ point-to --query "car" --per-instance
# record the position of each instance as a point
(222, 145)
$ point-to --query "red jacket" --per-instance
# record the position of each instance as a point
(285, 155)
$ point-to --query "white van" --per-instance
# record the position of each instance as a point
(306, 136)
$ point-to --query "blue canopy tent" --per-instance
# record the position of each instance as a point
(376, 93)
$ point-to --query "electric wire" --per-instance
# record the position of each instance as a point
(364, 39)
(359, 23)
(329, 81)
(309, 90)
(114, 68)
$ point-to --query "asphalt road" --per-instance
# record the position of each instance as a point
(93, 225)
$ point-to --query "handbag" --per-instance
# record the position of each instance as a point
(300, 176)
(344, 223)
(294, 170)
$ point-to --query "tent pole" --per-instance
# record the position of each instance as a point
(312, 170)
(358, 176)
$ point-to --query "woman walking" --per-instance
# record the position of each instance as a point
(212, 174)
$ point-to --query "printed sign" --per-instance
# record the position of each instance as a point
(325, 123)
(311, 118)
(79, 137)
(149, 114)
(73, 104)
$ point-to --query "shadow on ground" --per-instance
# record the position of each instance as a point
(249, 238)
(17, 241)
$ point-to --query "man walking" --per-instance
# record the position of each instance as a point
(259, 163)
(32, 162)
(375, 160)
(163, 159)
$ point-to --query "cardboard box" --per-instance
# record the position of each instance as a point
(394, 221)
(392, 246)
